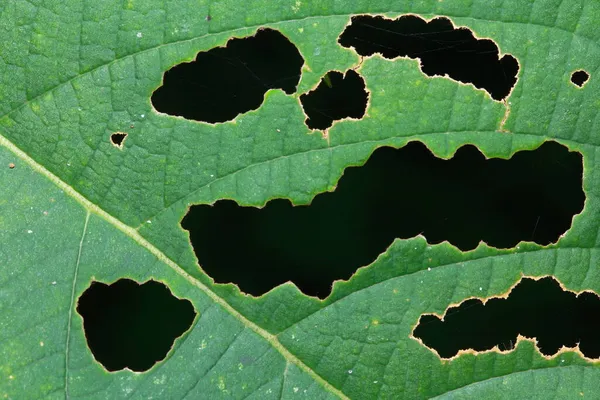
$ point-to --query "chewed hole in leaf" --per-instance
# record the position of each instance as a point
(398, 193)
(442, 49)
(337, 96)
(118, 139)
(224, 82)
(538, 309)
(579, 78)
(131, 325)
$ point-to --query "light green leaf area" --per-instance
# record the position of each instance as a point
(76, 209)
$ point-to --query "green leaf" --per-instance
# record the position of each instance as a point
(76, 209)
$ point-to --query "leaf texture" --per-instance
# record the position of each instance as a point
(75, 209)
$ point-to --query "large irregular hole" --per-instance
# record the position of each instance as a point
(128, 325)
(398, 193)
(337, 96)
(227, 81)
(538, 309)
(579, 78)
(441, 48)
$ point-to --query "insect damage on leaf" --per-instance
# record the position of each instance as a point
(398, 193)
(441, 48)
(534, 308)
(224, 82)
(580, 78)
(131, 325)
(337, 96)
(118, 139)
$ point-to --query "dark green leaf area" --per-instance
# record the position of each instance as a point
(226, 81)
(538, 309)
(338, 96)
(442, 49)
(128, 325)
(398, 193)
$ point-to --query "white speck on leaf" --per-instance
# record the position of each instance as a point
(350, 371)
(143, 115)
(54, 282)
(41, 344)
(429, 269)
(139, 34)
(29, 231)
(480, 288)
(296, 6)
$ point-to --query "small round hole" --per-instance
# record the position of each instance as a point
(580, 78)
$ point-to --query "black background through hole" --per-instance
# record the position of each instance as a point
(336, 97)
(441, 49)
(227, 81)
(399, 193)
(132, 325)
(579, 78)
(535, 309)
(117, 138)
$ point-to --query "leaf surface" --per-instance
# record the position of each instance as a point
(76, 209)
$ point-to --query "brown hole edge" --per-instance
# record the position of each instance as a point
(109, 322)
(118, 139)
(520, 338)
(432, 63)
(227, 217)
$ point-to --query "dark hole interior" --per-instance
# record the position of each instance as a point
(227, 81)
(398, 193)
(579, 78)
(128, 325)
(336, 97)
(117, 138)
(441, 48)
(535, 309)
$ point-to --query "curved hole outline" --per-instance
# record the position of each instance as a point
(520, 338)
(445, 243)
(580, 78)
(117, 139)
(418, 59)
(175, 340)
(325, 132)
(192, 59)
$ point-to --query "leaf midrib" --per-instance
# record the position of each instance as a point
(133, 234)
